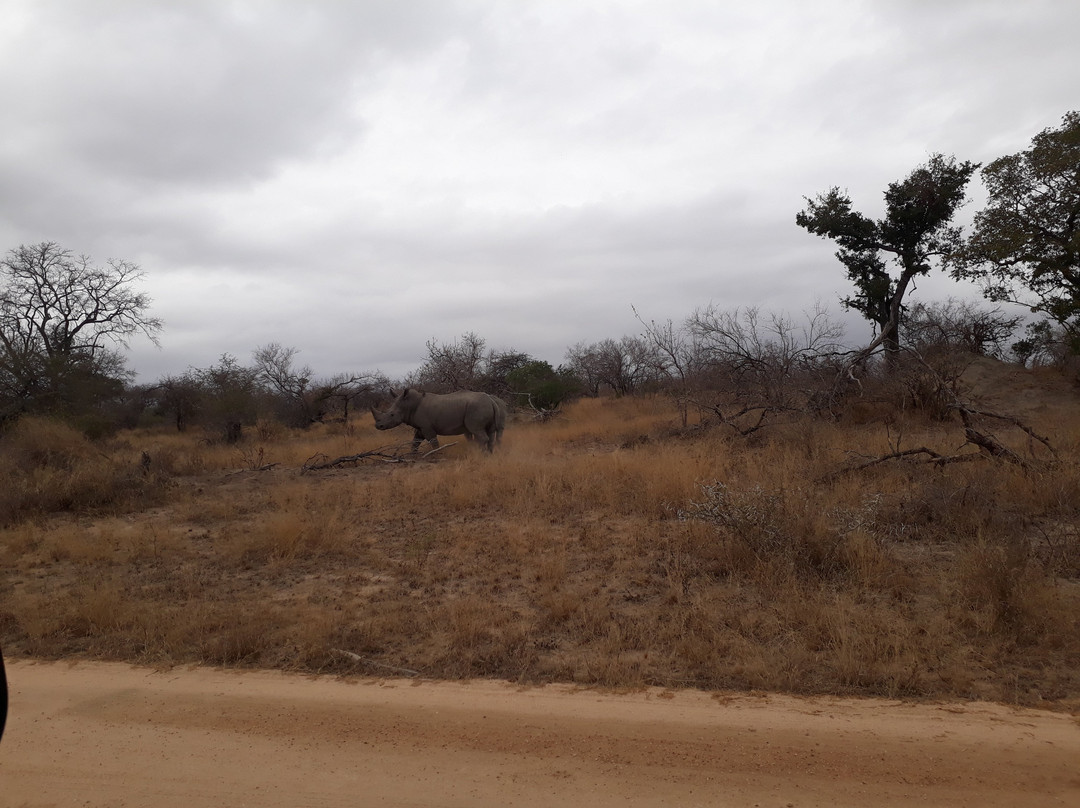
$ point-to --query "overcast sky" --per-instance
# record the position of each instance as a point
(352, 179)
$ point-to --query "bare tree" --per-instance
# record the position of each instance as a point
(958, 325)
(274, 368)
(274, 365)
(678, 357)
(768, 365)
(230, 392)
(61, 320)
(181, 397)
(451, 366)
(337, 396)
(623, 365)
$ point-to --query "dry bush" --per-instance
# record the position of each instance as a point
(47, 466)
(793, 532)
(564, 557)
(1005, 590)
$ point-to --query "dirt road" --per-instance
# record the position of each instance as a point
(109, 734)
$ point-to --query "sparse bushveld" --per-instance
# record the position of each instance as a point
(611, 546)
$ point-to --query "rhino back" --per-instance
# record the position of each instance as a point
(453, 413)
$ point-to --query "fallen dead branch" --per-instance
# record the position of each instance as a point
(540, 414)
(732, 419)
(986, 441)
(319, 462)
(263, 467)
(438, 448)
(373, 663)
(930, 456)
(988, 444)
(395, 453)
(1012, 419)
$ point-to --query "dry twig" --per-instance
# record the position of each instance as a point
(395, 453)
(373, 663)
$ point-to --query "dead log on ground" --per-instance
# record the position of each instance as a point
(395, 453)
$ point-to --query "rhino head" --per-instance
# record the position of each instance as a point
(400, 409)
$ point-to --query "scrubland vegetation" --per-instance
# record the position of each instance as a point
(756, 505)
(610, 546)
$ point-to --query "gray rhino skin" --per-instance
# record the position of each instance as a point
(501, 410)
(475, 415)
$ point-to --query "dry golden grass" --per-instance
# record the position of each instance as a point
(48, 466)
(607, 547)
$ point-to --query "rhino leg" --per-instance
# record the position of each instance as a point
(486, 439)
(419, 437)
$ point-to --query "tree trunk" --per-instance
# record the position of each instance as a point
(890, 339)
(890, 332)
(234, 430)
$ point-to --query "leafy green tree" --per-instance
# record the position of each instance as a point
(543, 387)
(914, 233)
(1043, 344)
(497, 368)
(1025, 246)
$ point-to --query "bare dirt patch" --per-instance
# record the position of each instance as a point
(109, 734)
(1044, 392)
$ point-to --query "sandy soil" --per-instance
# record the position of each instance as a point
(109, 734)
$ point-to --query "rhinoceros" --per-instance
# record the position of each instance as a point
(475, 415)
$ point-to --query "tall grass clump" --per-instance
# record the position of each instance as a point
(292, 523)
(789, 530)
(1005, 590)
(48, 466)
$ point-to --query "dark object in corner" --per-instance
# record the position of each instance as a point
(3, 695)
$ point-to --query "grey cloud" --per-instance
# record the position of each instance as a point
(203, 92)
(353, 179)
